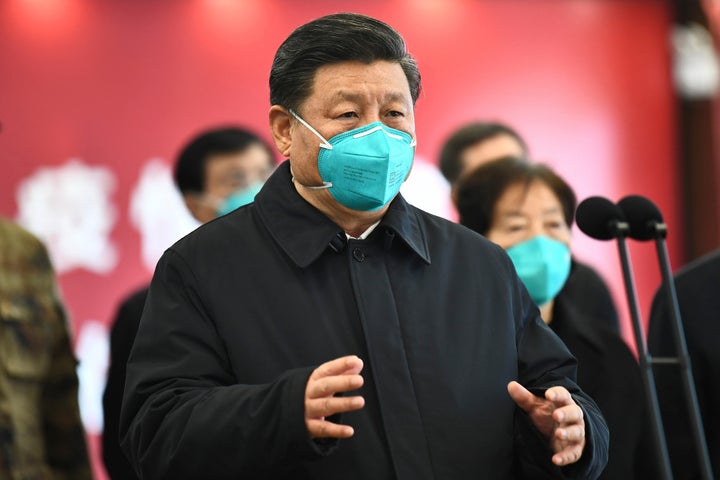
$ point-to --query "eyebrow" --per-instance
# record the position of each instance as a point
(356, 97)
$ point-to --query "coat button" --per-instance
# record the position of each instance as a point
(358, 255)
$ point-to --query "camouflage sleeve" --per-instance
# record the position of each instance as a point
(64, 434)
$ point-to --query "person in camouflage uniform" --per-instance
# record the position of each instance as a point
(41, 434)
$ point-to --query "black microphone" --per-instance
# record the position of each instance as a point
(644, 218)
(646, 223)
(601, 219)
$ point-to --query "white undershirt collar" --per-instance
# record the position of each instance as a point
(365, 234)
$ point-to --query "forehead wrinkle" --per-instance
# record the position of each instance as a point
(512, 214)
(348, 95)
(551, 210)
(520, 213)
(395, 97)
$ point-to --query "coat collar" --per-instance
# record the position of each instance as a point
(304, 232)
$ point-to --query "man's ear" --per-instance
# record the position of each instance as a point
(192, 203)
(454, 194)
(280, 129)
(197, 208)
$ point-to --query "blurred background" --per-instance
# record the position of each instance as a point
(96, 98)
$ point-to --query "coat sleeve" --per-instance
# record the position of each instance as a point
(64, 434)
(184, 415)
(543, 362)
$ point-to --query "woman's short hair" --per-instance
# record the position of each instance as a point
(479, 190)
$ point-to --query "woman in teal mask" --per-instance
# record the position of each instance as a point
(528, 210)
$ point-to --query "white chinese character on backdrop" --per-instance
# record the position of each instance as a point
(158, 211)
(69, 208)
(92, 350)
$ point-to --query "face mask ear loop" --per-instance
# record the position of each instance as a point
(322, 145)
(325, 143)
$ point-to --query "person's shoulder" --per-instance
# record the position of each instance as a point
(218, 232)
(586, 288)
(703, 269)
(616, 346)
(579, 321)
(586, 274)
(133, 302)
(137, 296)
(696, 286)
(130, 310)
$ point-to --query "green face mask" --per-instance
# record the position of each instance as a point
(239, 198)
(364, 168)
(543, 265)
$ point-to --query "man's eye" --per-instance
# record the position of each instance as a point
(395, 113)
(348, 115)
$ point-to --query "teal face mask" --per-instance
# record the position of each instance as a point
(239, 198)
(364, 168)
(543, 265)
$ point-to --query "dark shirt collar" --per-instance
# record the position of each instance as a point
(304, 232)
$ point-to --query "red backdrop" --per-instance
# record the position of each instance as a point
(117, 84)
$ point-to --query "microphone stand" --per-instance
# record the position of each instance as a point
(682, 352)
(620, 232)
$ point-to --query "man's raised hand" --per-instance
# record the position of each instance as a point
(336, 376)
(557, 417)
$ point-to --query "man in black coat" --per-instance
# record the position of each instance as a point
(329, 329)
(698, 294)
(216, 171)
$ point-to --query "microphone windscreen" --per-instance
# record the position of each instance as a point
(642, 215)
(598, 217)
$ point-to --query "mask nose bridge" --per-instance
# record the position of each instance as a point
(373, 130)
(384, 129)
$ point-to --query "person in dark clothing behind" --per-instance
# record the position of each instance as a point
(528, 209)
(698, 294)
(477, 143)
(330, 330)
(218, 170)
